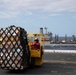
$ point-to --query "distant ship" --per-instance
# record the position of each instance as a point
(47, 36)
(49, 39)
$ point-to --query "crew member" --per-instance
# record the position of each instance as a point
(36, 44)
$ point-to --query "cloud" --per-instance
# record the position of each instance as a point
(61, 6)
(55, 14)
(13, 8)
(8, 14)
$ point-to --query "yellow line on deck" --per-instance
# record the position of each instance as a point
(60, 61)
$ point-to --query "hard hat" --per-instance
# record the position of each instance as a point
(36, 39)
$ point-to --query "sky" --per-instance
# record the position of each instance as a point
(59, 16)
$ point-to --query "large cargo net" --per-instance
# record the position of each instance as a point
(11, 50)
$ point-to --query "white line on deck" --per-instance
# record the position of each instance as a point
(60, 51)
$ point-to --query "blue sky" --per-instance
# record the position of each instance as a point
(59, 16)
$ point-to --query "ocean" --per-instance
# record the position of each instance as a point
(60, 47)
